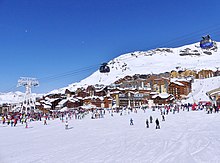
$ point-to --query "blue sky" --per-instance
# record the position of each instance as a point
(44, 38)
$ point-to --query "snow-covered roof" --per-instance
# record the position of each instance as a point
(90, 106)
(162, 95)
(37, 103)
(93, 97)
(115, 92)
(185, 79)
(178, 83)
(48, 103)
(64, 109)
(153, 93)
(46, 106)
(62, 101)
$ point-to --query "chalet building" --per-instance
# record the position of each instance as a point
(81, 92)
(103, 91)
(74, 103)
(183, 73)
(114, 93)
(137, 84)
(205, 74)
(179, 89)
(121, 80)
(100, 102)
(132, 99)
(47, 103)
(53, 102)
(187, 73)
(156, 84)
(44, 104)
(163, 99)
(69, 93)
(174, 74)
(90, 90)
(69, 103)
(5, 108)
(53, 96)
(108, 102)
(97, 90)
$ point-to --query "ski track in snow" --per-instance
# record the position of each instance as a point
(187, 137)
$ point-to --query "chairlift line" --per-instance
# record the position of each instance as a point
(69, 73)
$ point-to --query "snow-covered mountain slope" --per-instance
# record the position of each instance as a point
(13, 97)
(153, 61)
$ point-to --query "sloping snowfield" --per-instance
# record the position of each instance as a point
(184, 137)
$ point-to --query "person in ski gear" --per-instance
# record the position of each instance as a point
(147, 123)
(151, 119)
(157, 124)
(163, 117)
(66, 125)
(8, 121)
(15, 122)
(12, 122)
(131, 122)
(3, 120)
(45, 122)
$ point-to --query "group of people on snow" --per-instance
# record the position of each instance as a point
(151, 121)
(11, 119)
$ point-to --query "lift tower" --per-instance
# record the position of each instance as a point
(29, 101)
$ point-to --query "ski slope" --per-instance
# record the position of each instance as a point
(186, 137)
(200, 87)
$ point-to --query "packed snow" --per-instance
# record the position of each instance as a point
(189, 137)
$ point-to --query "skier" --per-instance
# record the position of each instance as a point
(12, 122)
(131, 122)
(151, 119)
(163, 117)
(147, 123)
(66, 125)
(22, 120)
(3, 120)
(15, 122)
(45, 122)
(8, 121)
(167, 111)
(26, 124)
(157, 124)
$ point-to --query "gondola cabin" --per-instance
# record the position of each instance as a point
(206, 42)
(104, 68)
